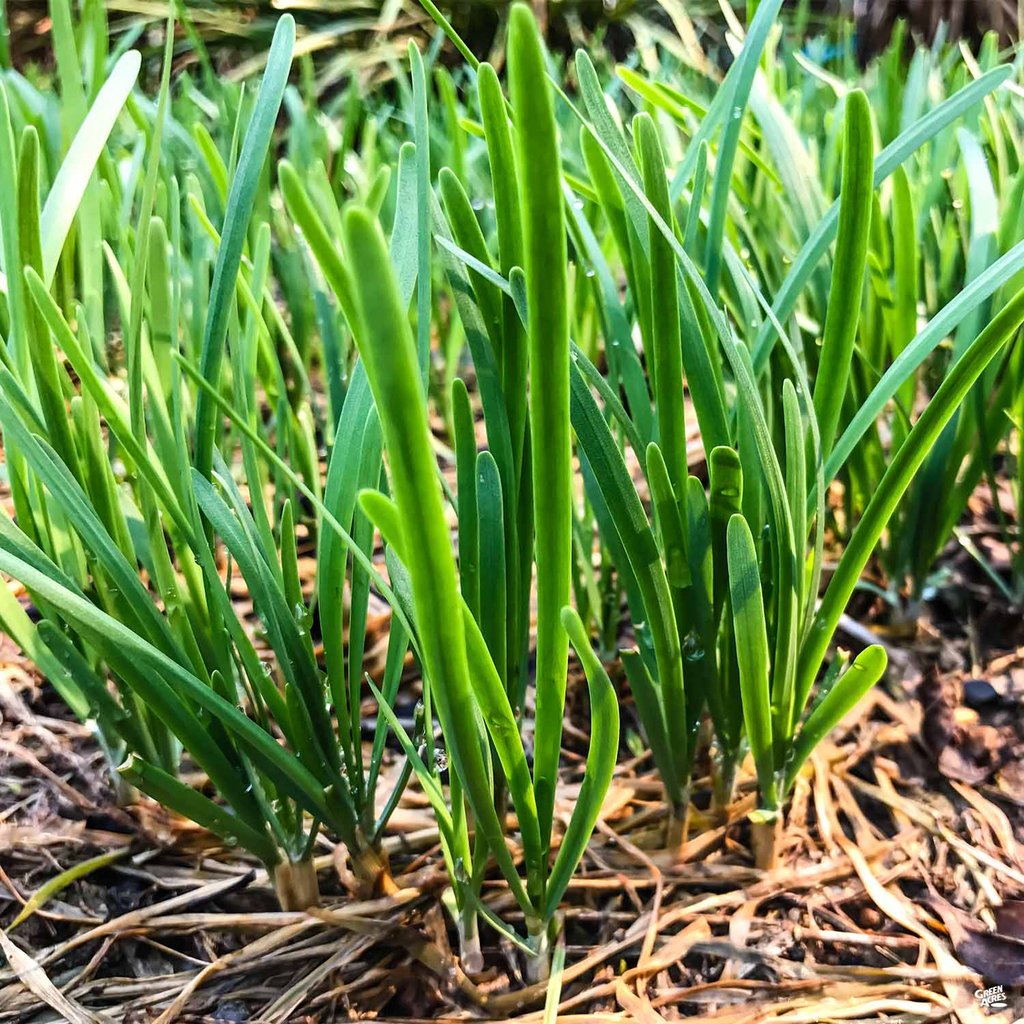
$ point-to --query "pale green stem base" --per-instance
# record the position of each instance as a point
(677, 827)
(538, 966)
(372, 871)
(296, 884)
(470, 954)
(724, 785)
(765, 840)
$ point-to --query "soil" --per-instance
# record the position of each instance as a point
(902, 839)
(896, 894)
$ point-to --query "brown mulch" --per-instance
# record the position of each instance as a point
(887, 836)
(895, 898)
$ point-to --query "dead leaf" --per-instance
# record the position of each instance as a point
(964, 749)
(997, 957)
(639, 1009)
(1011, 776)
(35, 979)
(1010, 919)
(677, 946)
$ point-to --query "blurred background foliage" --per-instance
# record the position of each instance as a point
(363, 38)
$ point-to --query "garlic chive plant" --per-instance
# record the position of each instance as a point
(464, 683)
(736, 618)
(915, 257)
(753, 669)
(124, 564)
(471, 673)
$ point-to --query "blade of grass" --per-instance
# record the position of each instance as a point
(601, 758)
(736, 90)
(239, 209)
(868, 667)
(938, 328)
(849, 268)
(68, 188)
(752, 654)
(896, 153)
(546, 258)
(894, 483)
(191, 804)
(61, 881)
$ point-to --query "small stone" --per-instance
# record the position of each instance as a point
(232, 1012)
(979, 693)
(870, 918)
